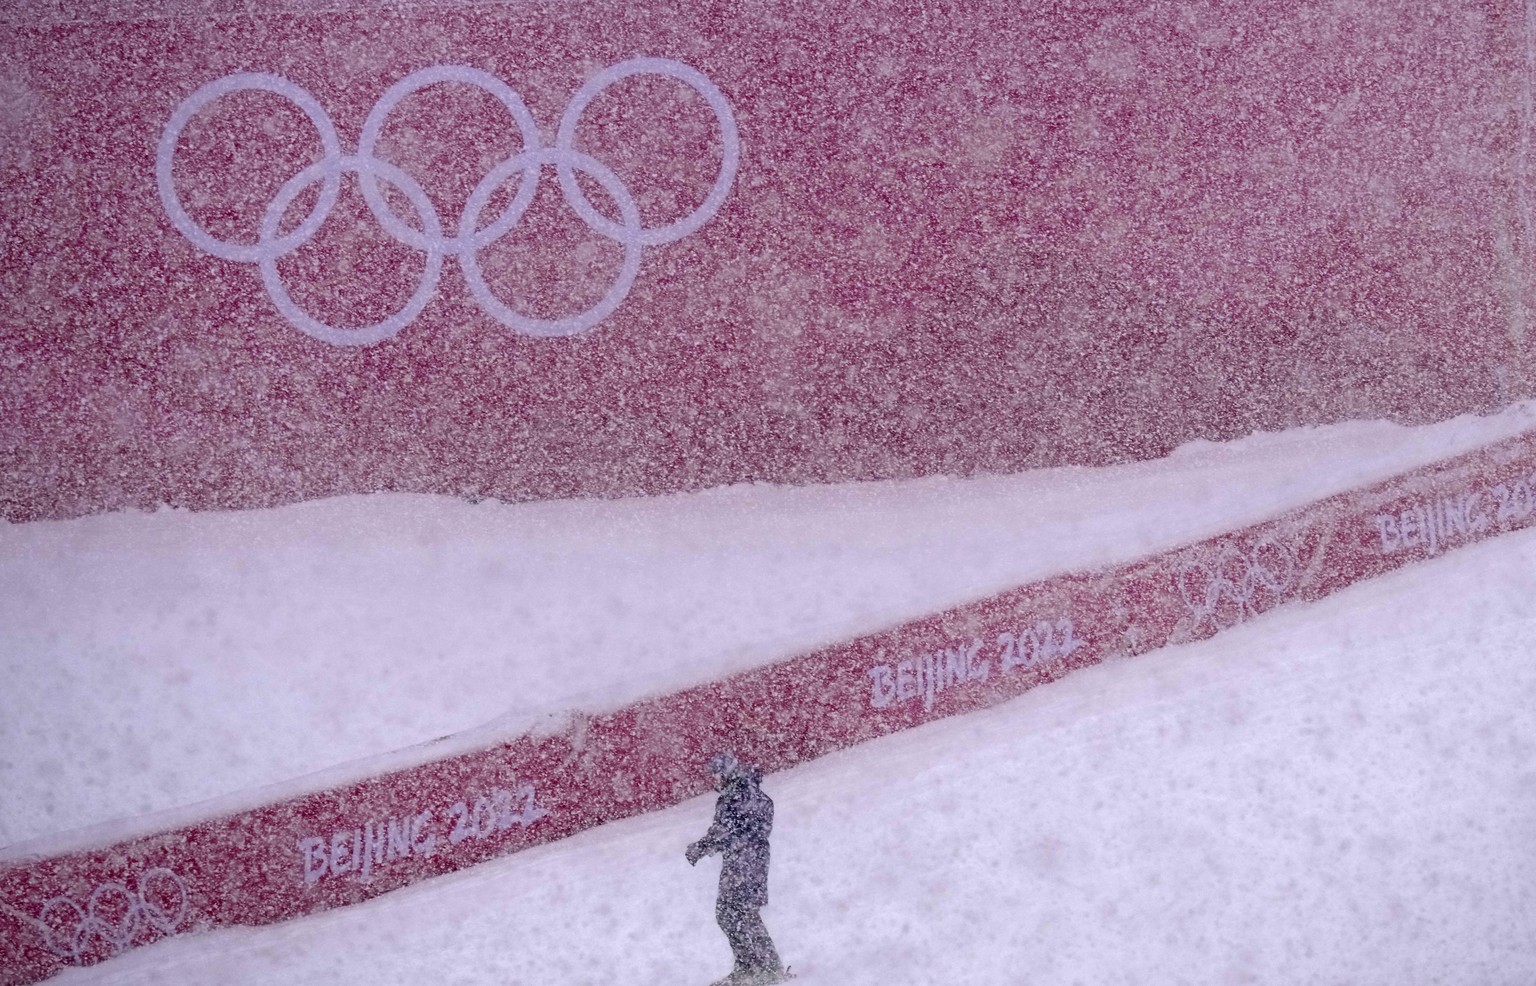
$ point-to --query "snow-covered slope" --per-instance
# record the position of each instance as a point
(1342, 792)
(156, 660)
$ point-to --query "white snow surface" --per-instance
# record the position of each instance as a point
(1339, 792)
(158, 660)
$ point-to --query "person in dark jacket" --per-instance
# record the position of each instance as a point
(743, 820)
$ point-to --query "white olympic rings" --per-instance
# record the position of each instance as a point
(466, 241)
(114, 915)
(1232, 586)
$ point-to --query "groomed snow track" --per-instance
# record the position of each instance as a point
(352, 842)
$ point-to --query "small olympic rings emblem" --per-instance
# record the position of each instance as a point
(466, 242)
(114, 916)
(1232, 586)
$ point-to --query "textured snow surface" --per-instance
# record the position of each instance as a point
(1342, 792)
(157, 660)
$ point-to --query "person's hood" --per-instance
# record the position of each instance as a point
(744, 776)
(725, 765)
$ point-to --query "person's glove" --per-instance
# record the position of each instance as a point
(694, 853)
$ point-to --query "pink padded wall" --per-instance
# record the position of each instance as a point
(947, 236)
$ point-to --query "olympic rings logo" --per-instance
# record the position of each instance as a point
(466, 243)
(1232, 586)
(114, 916)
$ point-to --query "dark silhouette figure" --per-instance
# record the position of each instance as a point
(743, 820)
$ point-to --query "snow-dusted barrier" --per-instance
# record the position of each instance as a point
(346, 844)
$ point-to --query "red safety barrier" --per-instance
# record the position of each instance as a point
(259, 251)
(344, 845)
